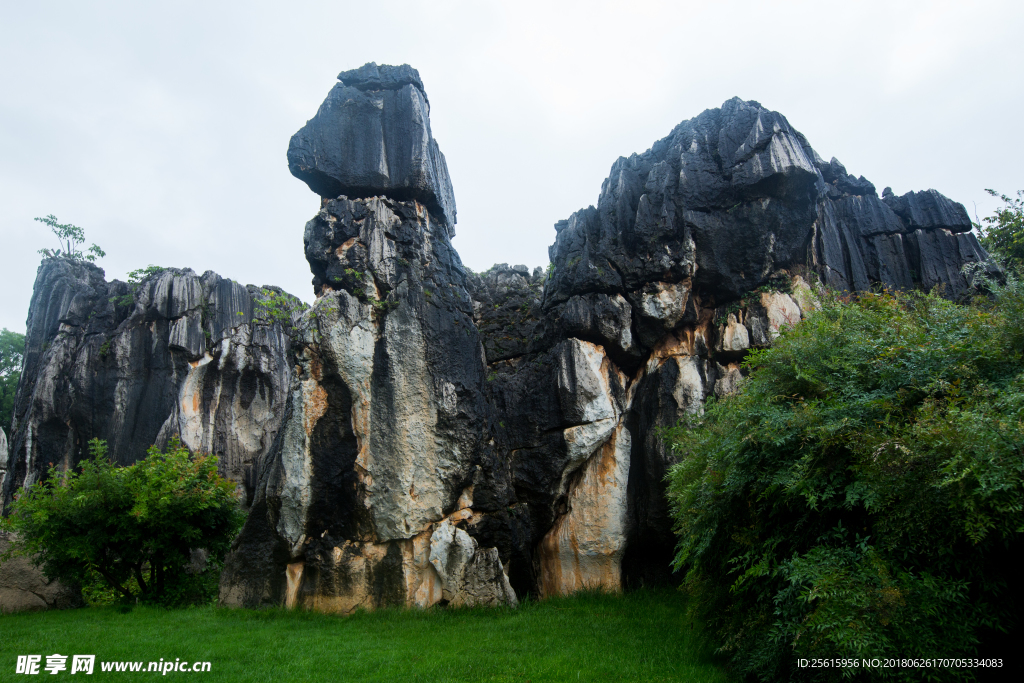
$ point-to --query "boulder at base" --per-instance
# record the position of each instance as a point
(23, 586)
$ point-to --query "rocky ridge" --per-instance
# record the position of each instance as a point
(201, 358)
(434, 435)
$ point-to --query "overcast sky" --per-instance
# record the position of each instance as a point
(161, 128)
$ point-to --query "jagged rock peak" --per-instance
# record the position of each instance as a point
(731, 198)
(384, 77)
(371, 137)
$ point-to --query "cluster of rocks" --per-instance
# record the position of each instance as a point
(424, 434)
(202, 358)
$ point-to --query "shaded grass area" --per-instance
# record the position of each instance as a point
(641, 636)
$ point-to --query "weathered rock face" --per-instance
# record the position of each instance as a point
(698, 250)
(24, 588)
(734, 195)
(372, 136)
(428, 435)
(200, 358)
(383, 483)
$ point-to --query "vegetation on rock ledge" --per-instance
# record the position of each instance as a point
(69, 237)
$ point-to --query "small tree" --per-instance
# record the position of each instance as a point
(1003, 232)
(69, 237)
(12, 347)
(133, 526)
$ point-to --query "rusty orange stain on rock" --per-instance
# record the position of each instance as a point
(315, 367)
(584, 547)
(607, 463)
(678, 343)
(316, 405)
(293, 573)
(340, 251)
(459, 515)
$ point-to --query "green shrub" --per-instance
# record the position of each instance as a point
(135, 280)
(276, 307)
(862, 494)
(133, 527)
(12, 350)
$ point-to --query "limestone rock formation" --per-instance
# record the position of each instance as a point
(425, 434)
(372, 136)
(734, 195)
(198, 357)
(383, 486)
(385, 442)
(700, 249)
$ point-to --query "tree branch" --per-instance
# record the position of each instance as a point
(115, 584)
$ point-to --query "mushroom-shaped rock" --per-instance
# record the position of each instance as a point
(371, 137)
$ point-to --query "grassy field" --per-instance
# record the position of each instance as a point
(642, 636)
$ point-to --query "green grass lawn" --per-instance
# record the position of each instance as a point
(642, 636)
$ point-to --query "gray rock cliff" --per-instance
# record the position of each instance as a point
(198, 357)
(383, 474)
(383, 486)
(699, 249)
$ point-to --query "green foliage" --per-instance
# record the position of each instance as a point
(862, 494)
(276, 307)
(1003, 232)
(776, 284)
(551, 271)
(12, 350)
(135, 280)
(132, 526)
(69, 237)
(385, 306)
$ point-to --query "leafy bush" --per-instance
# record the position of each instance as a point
(135, 280)
(273, 306)
(134, 527)
(862, 494)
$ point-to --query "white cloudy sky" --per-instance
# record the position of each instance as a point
(161, 128)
